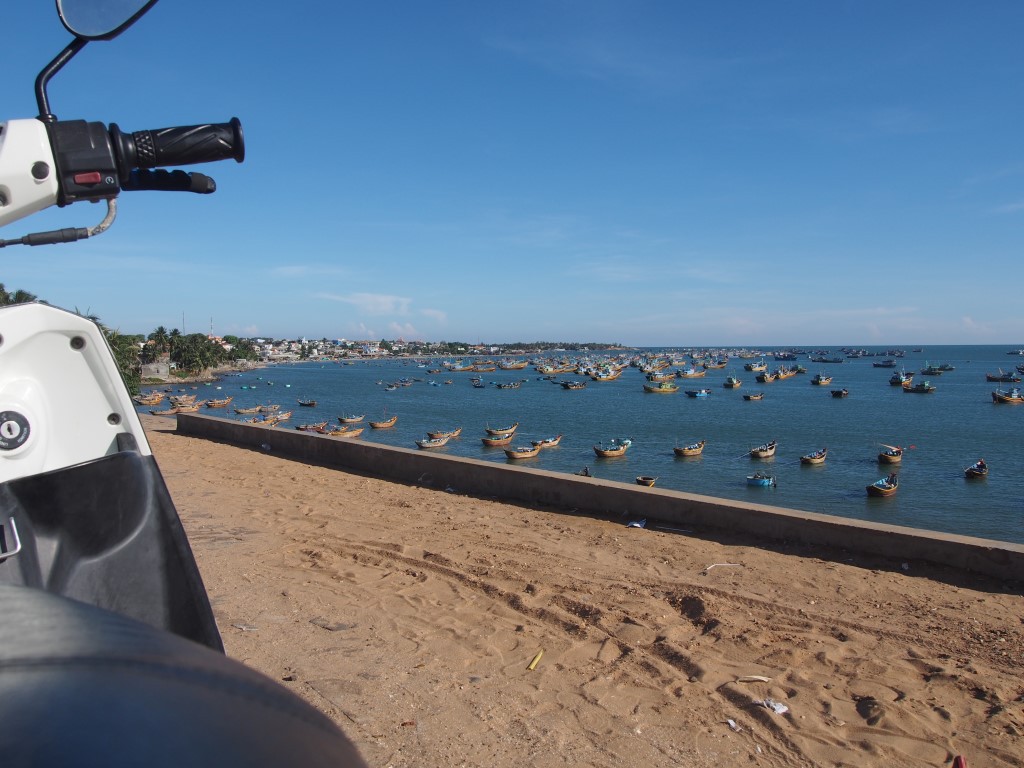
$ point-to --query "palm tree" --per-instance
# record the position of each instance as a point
(18, 297)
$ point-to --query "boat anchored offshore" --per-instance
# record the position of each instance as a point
(616, 447)
(885, 487)
(761, 479)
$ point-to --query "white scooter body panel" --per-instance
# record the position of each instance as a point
(62, 399)
(24, 146)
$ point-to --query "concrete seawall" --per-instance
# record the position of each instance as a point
(673, 508)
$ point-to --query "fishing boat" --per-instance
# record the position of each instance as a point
(693, 449)
(317, 427)
(351, 418)
(764, 451)
(759, 367)
(921, 388)
(976, 470)
(613, 448)
(754, 396)
(815, 457)
(254, 409)
(767, 377)
(165, 412)
(821, 380)
(1003, 376)
(901, 378)
(281, 416)
(548, 442)
(691, 373)
(932, 370)
(523, 452)
(348, 432)
(646, 480)
(660, 375)
(884, 487)
(502, 430)
(445, 433)
(893, 454)
(889, 363)
(662, 387)
(307, 403)
(698, 392)
(191, 408)
(731, 382)
(761, 479)
(497, 441)
(152, 398)
(384, 424)
(573, 384)
(334, 431)
(840, 392)
(219, 403)
(1013, 395)
(431, 442)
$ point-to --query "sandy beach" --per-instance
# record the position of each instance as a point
(444, 630)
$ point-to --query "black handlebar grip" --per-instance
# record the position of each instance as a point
(184, 145)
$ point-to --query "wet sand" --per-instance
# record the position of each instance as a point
(412, 617)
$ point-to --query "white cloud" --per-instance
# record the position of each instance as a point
(372, 303)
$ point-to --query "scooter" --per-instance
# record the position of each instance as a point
(109, 652)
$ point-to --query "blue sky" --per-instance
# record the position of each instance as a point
(648, 173)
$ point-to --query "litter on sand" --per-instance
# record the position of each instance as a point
(716, 565)
(732, 724)
(637, 523)
(533, 664)
(753, 679)
(775, 706)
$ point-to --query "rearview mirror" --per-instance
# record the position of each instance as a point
(100, 19)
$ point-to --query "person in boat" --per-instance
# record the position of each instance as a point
(585, 472)
(980, 464)
(891, 479)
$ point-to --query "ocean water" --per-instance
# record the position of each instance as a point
(943, 432)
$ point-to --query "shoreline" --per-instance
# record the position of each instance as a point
(410, 615)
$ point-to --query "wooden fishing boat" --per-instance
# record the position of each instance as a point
(351, 418)
(821, 380)
(445, 433)
(432, 442)
(782, 372)
(189, 408)
(660, 375)
(270, 408)
(693, 449)
(181, 399)
(646, 480)
(932, 370)
(759, 367)
(502, 430)
(662, 387)
(548, 442)
(165, 412)
(333, 431)
(349, 432)
(698, 392)
(523, 452)
(893, 454)
(766, 377)
(573, 384)
(613, 448)
(921, 388)
(815, 457)
(761, 479)
(885, 487)
(317, 427)
(498, 441)
(219, 403)
(1014, 395)
(384, 424)
(307, 403)
(840, 392)
(150, 398)
(754, 396)
(281, 416)
(691, 373)
(764, 451)
(732, 382)
(977, 470)
(254, 409)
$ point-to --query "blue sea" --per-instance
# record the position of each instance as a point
(942, 432)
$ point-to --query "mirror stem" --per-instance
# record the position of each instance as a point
(42, 101)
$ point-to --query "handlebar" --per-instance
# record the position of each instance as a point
(183, 145)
